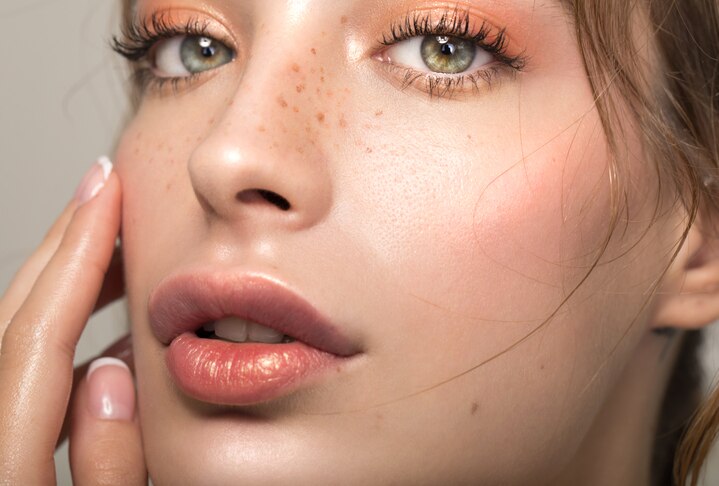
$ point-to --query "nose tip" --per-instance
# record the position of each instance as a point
(236, 176)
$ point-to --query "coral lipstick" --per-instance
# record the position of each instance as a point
(244, 373)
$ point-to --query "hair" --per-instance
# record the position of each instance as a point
(672, 104)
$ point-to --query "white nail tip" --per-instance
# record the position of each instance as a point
(100, 362)
(106, 165)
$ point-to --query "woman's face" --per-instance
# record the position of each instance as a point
(437, 224)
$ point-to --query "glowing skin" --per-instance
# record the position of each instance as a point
(435, 233)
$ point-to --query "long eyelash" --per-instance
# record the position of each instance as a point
(139, 36)
(454, 23)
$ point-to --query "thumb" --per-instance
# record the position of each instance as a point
(105, 442)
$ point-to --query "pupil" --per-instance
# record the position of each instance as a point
(447, 49)
(208, 51)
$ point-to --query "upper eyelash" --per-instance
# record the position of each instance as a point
(454, 23)
(139, 36)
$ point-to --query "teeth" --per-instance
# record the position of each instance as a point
(232, 329)
(239, 330)
(263, 334)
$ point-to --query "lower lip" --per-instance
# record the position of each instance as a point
(226, 373)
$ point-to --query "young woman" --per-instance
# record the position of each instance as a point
(370, 242)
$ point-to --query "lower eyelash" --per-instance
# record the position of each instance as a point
(139, 36)
(454, 23)
(440, 86)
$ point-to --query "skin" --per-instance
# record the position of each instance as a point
(457, 226)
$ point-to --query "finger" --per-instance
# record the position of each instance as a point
(25, 277)
(120, 349)
(105, 442)
(113, 287)
(39, 344)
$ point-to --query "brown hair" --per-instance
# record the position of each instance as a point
(673, 106)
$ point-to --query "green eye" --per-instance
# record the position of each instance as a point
(184, 56)
(447, 55)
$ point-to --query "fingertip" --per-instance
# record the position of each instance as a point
(110, 390)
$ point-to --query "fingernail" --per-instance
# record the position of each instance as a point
(111, 393)
(94, 180)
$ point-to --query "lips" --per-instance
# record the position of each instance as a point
(222, 372)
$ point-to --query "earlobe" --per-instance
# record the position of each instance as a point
(689, 295)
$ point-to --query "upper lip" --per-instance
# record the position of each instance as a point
(184, 302)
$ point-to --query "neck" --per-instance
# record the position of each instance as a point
(618, 448)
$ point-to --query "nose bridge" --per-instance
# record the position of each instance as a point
(264, 147)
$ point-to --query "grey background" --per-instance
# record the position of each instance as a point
(62, 104)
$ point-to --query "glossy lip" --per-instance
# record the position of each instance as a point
(184, 302)
(222, 372)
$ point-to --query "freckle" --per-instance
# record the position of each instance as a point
(261, 128)
(475, 407)
(323, 33)
(322, 70)
(275, 145)
(541, 367)
(211, 121)
(137, 151)
(318, 91)
(168, 186)
(469, 137)
(367, 126)
(343, 122)
(339, 370)
(343, 19)
(300, 150)
(322, 79)
(199, 138)
(313, 51)
(368, 150)
(300, 88)
(378, 113)
(296, 109)
(320, 117)
(232, 102)
(281, 101)
(379, 416)
(296, 67)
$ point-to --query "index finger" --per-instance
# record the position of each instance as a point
(36, 357)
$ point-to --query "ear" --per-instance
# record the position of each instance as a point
(689, 295)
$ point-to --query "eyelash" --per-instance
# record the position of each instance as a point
(454, 24)
(139, 37)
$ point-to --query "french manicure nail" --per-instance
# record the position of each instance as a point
(111, 392)
(94, 180)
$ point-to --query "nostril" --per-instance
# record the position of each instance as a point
(253, 195)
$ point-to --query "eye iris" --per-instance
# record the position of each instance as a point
(448, 55)
(202, 53)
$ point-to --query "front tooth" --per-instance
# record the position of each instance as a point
(263, 334)
(232, 329)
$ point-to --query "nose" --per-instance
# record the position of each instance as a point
(256, 166)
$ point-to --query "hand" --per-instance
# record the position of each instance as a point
(42, 314)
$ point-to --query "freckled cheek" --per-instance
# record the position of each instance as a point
(152, 168)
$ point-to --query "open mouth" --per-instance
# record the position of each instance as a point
(236, 330)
